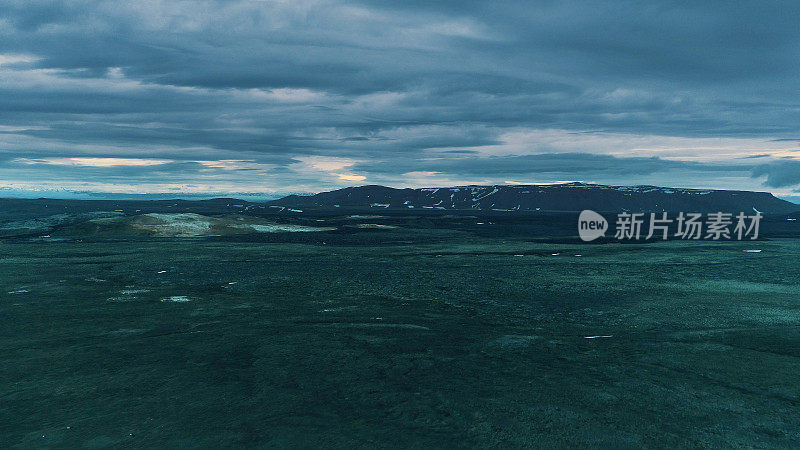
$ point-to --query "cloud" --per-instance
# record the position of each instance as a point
(562, 163)
(458, 88)
(780, 173)
(348, 177)
(95, 162)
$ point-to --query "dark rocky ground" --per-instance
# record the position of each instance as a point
(420, 336)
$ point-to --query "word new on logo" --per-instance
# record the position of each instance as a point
(591, 225)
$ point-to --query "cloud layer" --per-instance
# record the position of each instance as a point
(285, 96)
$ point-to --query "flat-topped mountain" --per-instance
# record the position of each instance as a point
(554, 197)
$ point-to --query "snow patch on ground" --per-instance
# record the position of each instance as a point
(284, 228)
(375, 226)
(181, 225)
(176, 299)
(194, 225)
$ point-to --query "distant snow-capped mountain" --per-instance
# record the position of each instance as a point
(555, 197)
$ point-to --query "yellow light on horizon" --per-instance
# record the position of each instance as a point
(95, 162)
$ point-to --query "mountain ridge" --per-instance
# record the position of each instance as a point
(553, 197)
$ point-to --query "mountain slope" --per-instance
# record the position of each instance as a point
(558, 197)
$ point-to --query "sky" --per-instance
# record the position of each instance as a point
(193, 98)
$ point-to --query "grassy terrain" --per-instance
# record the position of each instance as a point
(422, 338)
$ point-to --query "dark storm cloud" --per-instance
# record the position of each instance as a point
(565, 163)
(392, 83)
(780, 173)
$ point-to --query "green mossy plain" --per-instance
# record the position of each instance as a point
(405, 338)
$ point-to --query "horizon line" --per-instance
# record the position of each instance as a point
(265, 196)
